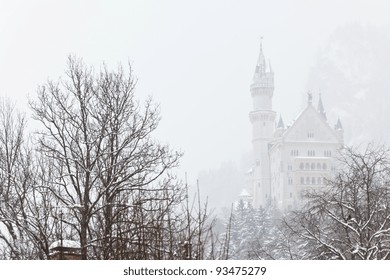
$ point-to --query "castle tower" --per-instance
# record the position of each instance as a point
(262, 118)
(320, 108)
(339, 130)
(280, 128)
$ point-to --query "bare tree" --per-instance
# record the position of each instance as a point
(350, 220)
(26, 226)
(96, 175)
(98, 138)
(12, 193)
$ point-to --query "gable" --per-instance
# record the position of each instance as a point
(310, 127)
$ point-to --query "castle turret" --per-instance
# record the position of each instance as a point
(320, 108)
(339, 130)
(280, 128)
(263, 127)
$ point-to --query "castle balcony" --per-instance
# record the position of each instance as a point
(266, 81)
(312, 164)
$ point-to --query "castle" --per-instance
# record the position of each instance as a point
(287, 159)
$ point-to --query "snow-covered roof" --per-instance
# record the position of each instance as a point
(250, 170)
(65, 244)
(245, 193)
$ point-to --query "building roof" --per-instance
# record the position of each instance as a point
(64, 244)
(245, 193)
(311, 119)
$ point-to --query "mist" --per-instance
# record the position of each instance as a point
(196, 60)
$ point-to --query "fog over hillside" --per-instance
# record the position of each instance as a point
(353, 73)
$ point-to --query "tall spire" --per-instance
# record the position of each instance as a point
(338, 125)
(280, 123)
(260, 65)
(320, 108)
(309, 97)
(270, 67)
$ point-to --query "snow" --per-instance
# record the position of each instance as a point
(65, 243)
(245, 193)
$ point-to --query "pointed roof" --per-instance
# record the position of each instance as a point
(280, 123)
(320, 108)
(260, 65)
(338, 125)
(309, 97)
(310, 120)
(245, 193)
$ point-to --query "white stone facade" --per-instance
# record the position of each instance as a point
(288, 160)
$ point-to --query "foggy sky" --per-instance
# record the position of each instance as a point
(196, 58)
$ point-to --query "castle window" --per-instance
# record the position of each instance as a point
(313, 166)
(290, 195)
(313, 181)
(258, 185)
(294, 153)
(311, 153)
(290, 181)
(289, 167)
(302, 181)
(307, 180)
(301, 166)
(327, 153)
(318, 166)
(324, 166)
(307, 166)
(319, 180)
(310, 134)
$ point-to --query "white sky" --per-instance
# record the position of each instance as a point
(196, 58)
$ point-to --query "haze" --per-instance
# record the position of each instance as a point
(196, 59)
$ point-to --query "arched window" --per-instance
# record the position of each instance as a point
(313, 181)
(302, 181)
(319, 180)
(307, 180)
(324, 166)
(301, 166)
(307, 166)
(318, 165)
(313, 166)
